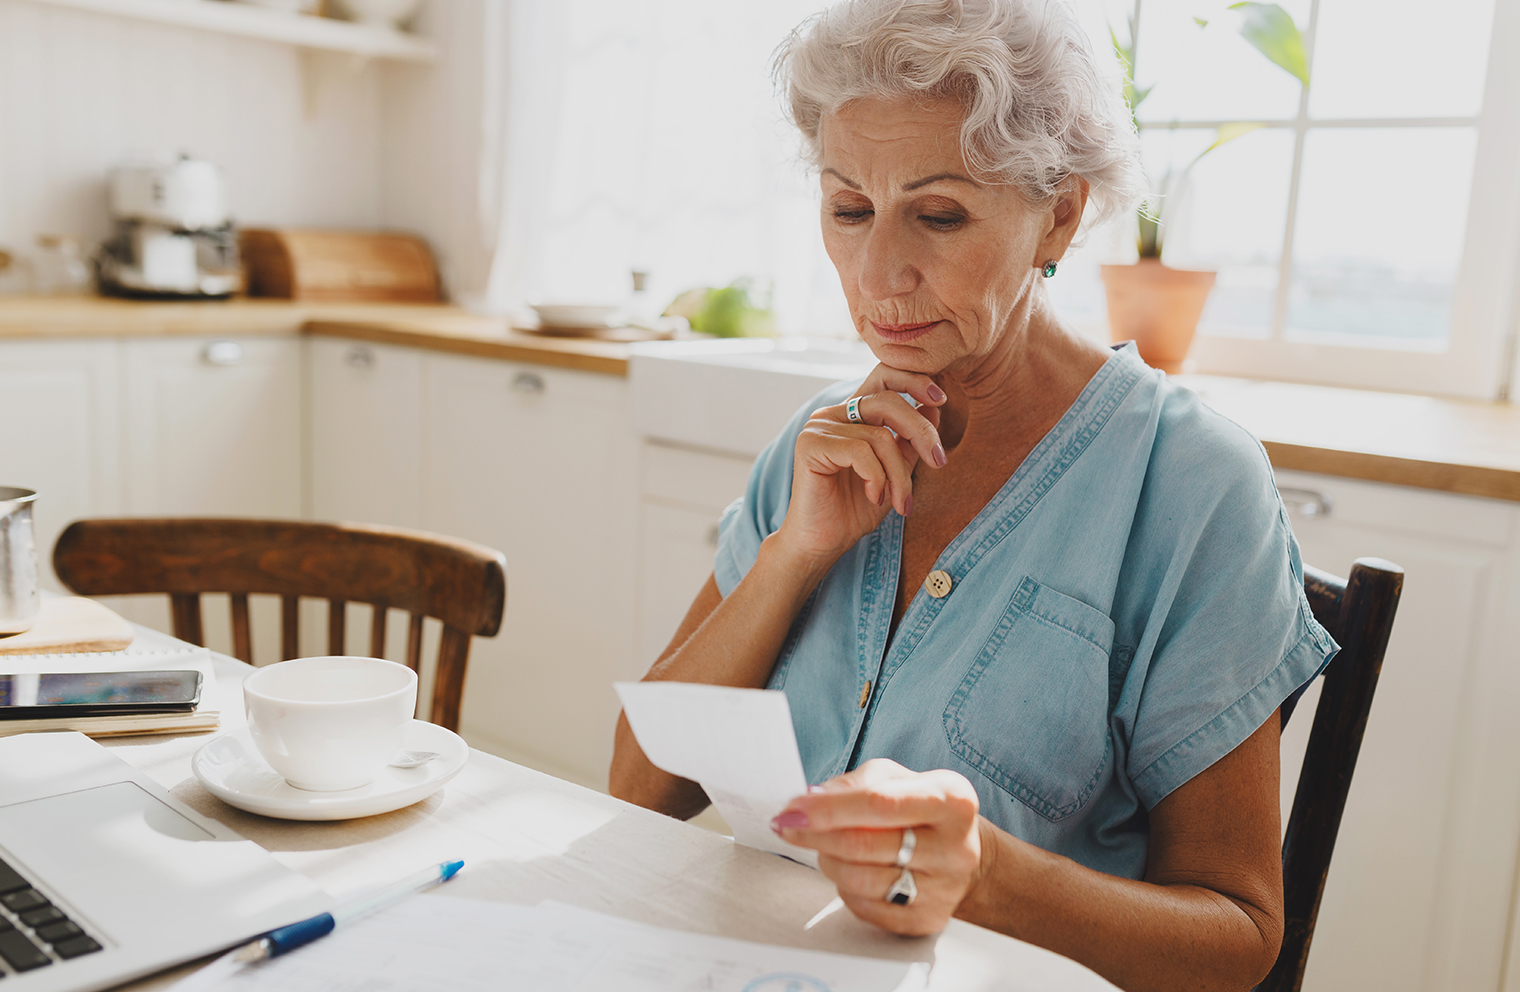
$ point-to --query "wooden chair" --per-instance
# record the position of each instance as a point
(463, 585)
(1358, 613)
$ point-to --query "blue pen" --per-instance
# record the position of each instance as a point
(288, 938)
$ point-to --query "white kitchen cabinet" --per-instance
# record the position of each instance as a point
(540, 464)
(59, 401)
(213, 426)
(682, 494)
(366, 432)
(1421, 884)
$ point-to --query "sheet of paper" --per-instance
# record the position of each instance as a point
(150, 650)
(738, 744)
(435, 942)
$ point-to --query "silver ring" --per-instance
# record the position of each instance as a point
(852, 410)
(905, 852)
(904, 890)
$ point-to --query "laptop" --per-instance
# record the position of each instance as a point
(105, 877)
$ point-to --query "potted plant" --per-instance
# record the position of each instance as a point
(1156, 306)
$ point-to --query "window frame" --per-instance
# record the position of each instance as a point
(1479, 359)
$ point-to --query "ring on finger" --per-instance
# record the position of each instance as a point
(904, 890)
(905, 852)
(852, 410)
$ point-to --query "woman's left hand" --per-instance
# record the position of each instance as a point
(856, 824)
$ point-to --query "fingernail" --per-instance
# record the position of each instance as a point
(793, 819)
(936, 394)
(908, 505)
(881, 497)
(938, 454)
(813, 790)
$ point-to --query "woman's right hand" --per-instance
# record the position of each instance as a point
(846, 476)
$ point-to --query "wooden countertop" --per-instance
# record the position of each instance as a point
(1456, 446)
(1427, 442)
(439, 328)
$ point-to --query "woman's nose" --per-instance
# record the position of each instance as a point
(886, 267)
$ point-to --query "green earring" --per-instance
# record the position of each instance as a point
(1049, 269)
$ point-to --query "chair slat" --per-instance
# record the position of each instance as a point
(377, 632)
(242, 640)
(185, 610)
(290, 629)
(414, 643)
(448, 680)
(337, 613)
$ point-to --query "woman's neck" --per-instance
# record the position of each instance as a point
(1024, 384)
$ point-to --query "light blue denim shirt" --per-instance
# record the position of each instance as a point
(1125, 611)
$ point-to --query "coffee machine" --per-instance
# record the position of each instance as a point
(173, 238)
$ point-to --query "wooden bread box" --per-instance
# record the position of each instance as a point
(339, 266)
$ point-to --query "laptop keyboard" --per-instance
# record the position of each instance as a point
(33, 932)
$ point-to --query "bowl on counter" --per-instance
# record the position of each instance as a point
(573, 317)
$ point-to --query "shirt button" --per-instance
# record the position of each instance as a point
(865, 695)
(938, 584)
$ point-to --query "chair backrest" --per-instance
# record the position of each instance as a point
(1358, 613)
(463, 585)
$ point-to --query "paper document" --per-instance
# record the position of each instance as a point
(738, 744)
(467, 945)
(150, 650)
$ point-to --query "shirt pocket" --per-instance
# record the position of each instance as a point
(1032, 713)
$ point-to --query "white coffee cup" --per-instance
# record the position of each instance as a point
(330, 724)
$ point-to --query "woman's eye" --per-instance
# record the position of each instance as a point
(942, 222)
(852, 215)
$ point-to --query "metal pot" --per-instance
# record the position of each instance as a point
(19, 600)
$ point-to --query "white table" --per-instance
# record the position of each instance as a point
(525, 837)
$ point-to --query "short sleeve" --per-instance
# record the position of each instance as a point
(758, 514)
(1230, 634)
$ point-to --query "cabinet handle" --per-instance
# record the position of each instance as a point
(713, 533)
(1305, 502)
(358, 358)
(528, 382)
(223, 353)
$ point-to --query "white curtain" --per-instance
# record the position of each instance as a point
(645, 134)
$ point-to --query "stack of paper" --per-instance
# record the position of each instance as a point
(150, 651)
(466, 945)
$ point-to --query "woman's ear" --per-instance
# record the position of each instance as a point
(1064, 218)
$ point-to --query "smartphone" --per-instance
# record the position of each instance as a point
(34, 697)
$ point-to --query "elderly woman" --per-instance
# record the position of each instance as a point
(1035, 626)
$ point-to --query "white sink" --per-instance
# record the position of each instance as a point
(733, 395)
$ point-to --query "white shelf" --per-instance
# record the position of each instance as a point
(266, 24)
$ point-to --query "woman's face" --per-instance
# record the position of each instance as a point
(936, 265)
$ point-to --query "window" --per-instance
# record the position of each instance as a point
(1366, 234)
(1362, 234)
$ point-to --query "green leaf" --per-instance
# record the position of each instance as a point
(1201, 22)
(1133, 96)
(1223, 136)
(1269, 29)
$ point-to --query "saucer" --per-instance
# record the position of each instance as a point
(232, 770)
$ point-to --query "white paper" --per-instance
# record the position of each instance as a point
(738, 744)
(150, 651)
(433, 942)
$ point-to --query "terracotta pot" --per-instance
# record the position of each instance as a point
(1157, 308)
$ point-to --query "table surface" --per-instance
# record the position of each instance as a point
(525, 837)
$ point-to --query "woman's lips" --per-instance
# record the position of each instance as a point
(899, 333)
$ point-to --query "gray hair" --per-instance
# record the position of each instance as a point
(1038, 107)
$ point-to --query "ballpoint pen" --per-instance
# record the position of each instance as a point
(288, 938)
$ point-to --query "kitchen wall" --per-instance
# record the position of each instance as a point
(430, 144)
(81, 92)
